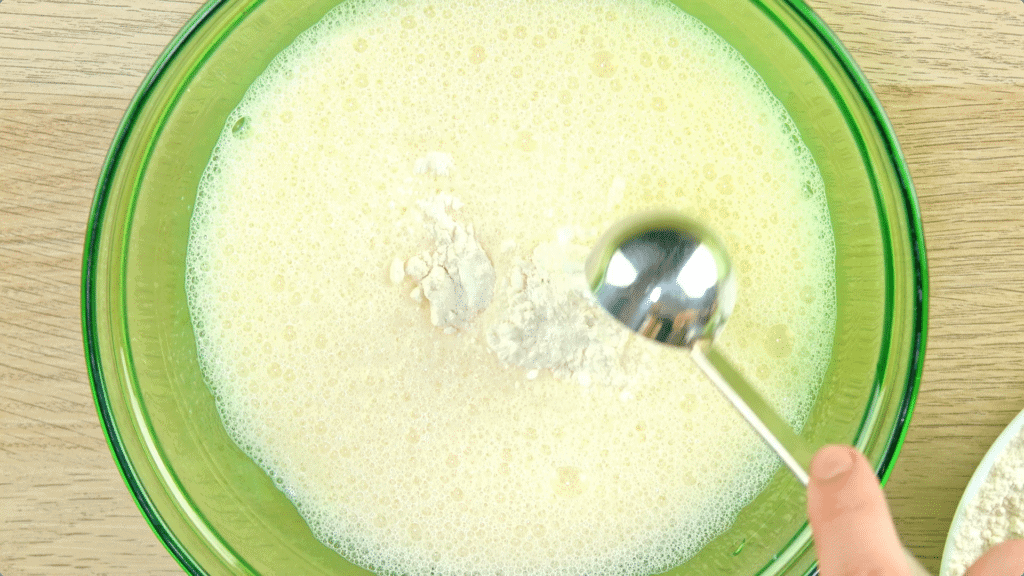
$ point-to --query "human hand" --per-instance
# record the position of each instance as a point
(853, 530)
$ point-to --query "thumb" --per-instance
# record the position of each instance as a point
(1006, 559)
(853, 531)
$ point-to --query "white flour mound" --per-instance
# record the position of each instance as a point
(456, 276)
(551, 322)
(996, 513)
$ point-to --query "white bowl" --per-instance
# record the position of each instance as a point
(981, 474)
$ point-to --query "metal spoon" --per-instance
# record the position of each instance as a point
(669, 279)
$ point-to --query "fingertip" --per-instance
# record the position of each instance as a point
(848, 513)
(1006, 559)
(832, 463)
(841, 479)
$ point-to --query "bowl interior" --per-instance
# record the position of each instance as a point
(218, 512)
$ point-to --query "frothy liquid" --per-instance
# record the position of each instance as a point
(417, 452)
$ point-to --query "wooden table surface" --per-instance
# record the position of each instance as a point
(950, 74)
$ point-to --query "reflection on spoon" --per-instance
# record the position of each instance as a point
(669, 279)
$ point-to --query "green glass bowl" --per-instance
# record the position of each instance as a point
(217, 512)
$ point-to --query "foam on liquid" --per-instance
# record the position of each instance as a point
(414, 452)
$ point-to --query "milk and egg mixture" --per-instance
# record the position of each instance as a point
(385, 282)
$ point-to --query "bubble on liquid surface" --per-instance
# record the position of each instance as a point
(778, 341)
(568, 482)
(603, 64)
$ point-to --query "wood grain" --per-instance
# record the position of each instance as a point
(67, 73)
(950, 74)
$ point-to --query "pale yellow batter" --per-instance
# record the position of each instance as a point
(414, 451)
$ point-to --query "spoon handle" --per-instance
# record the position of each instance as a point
(795, 453)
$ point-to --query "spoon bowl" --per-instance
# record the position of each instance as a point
(665, 276)
(669, 278)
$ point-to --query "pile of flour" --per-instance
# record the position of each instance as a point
(553, 323)
(996, 513)
(455, 276)
(549, 322)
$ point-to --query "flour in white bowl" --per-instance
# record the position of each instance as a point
(996, 513)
